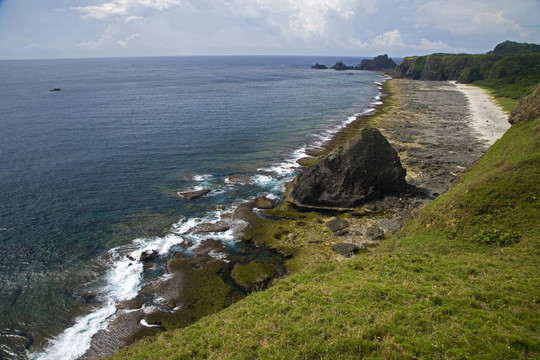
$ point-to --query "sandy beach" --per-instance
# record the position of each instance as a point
(487, 118)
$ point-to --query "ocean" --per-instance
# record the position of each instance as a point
(95, 169)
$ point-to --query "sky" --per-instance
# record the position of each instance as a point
(41, 29)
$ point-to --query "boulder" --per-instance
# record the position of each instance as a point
(219, 226)
(366, 168)
(338, 226)
(262, 202)
(194, 194)
(347, 249)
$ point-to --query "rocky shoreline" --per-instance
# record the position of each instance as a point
(430, 129)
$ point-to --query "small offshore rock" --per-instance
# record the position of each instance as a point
(194, 194)
(347, 249)
(318, 66)
(148, 255)
(239, 179)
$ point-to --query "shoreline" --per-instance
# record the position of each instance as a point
(126, 318)
(488, 118)
(391, 97)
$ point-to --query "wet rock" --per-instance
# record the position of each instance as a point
(347, 249)
(262, 202)
(194, 194)
(148, 255)
(239, 179)
(338, 226)
(220, 226)
(210, 250)
(253, 276)
(366, 168)
(135, 303)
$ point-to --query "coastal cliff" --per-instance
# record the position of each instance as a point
(509, 73)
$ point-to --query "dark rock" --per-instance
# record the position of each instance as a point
(347, 249)
(219, 226)
(340, 66)
(337, 225)
(319, 67)
(366, 168)
(194, 194)
(253, 276)
(262, 202)
(148, 255)
(381, 62)
(374, 233)
(55, 90)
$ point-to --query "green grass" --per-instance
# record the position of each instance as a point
(433, 291)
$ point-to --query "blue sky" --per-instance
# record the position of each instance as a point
(38, 29)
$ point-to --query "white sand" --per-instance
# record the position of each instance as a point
(488, 119)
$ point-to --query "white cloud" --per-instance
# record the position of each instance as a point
(465, 17)
(389, 38)
(106, 39)
(303, 19)
(123, 8)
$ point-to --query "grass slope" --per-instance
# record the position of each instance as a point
(459, 282)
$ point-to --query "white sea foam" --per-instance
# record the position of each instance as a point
(123, 283)
(202, 177)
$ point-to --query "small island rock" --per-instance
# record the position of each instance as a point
(194, 194)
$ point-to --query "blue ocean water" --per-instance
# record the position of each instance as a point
(98, 165)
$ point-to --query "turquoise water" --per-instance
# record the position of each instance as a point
(98, 165)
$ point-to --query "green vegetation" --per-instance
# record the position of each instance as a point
(512, 47)
(458, 282)
(510, 70)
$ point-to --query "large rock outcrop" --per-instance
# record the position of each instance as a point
(366, 168)
(381, 62)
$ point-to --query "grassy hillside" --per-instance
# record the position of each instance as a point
(509, 75)
(459, 282)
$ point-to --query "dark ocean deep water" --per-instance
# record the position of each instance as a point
(97, 166)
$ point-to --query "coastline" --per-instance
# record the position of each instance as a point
(125, 317)
(390, 214)
(432, 131)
